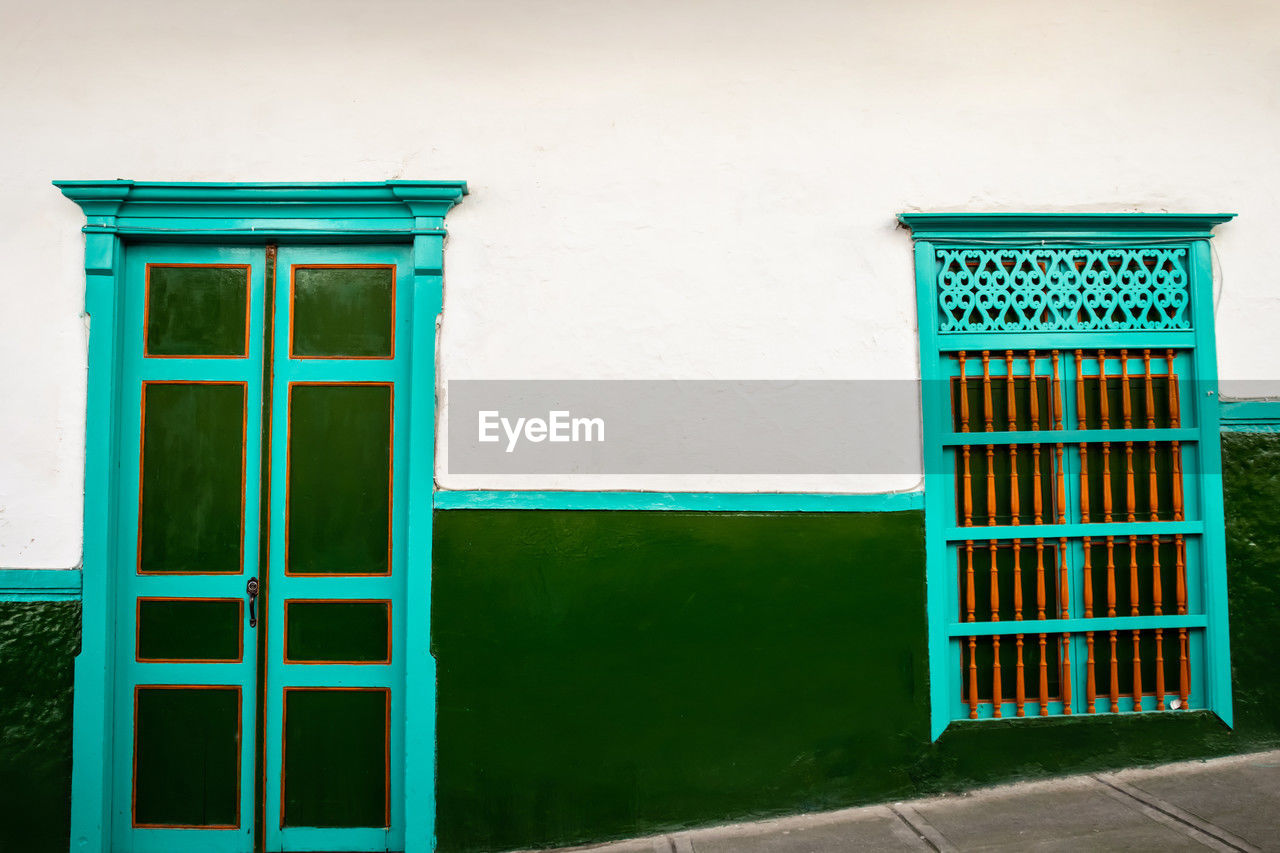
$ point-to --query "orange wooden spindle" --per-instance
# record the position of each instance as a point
(1015, 510)
(965, 448)
(1090, 684)
(988, 421)
(1104, 402)
(1065, 642)
(1090, 690)
(1180, 545)
(1060, 493)
(1114, 692)
(1081, 423)
(970, 595)
(1133, 611)
(1153, 506)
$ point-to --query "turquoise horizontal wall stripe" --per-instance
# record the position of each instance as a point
(39, 584)
(693, 501)
(1250, 415)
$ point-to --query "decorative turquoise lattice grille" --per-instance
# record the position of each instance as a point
(1062, 289)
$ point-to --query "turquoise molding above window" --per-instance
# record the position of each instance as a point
(1074, 228)
(1021, 295)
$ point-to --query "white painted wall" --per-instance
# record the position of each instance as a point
(664, 188)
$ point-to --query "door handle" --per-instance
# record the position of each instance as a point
(252, 589)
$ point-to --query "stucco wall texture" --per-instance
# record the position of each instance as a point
(659, 190)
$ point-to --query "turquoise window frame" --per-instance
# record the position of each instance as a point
(930, 231)
(119, 212)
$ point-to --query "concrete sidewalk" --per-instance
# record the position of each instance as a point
(1228, 804)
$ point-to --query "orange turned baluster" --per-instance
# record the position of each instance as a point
(1105, 414)
(1064, 642)
(1037, 503)
(988, 417)
(1021, 695)
(1090, 684)
(1153, 505)
(1035, 447)
(1081, 422)
(1040, 611)
(1131, 515)
(988, 420)
(1126, 397)
(1015, 510)
(1158, 597)
(1012, 410)
(1180, 544)
(970, 596)
(1105, 418)
(1153, 500)
(964, 427)
(1133, 611)
(1040, 604)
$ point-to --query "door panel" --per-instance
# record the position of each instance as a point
(339, 479)
(190, 630)
(336, 756)
(191, 368)
(187, 756)
(193, 477)
(334, 704)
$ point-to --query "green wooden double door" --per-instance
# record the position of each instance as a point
(261, 541)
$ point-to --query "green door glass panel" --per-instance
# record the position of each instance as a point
(187, 756)
(339, 479)
(197, 310)
(343, 312)
(337, 631)
(193, 469)
(336, 757)
(190, 630)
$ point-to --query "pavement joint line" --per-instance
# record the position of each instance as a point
(1170, 815)
(1150, 806)
(927, 832)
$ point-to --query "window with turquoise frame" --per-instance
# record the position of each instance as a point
(1073, 496)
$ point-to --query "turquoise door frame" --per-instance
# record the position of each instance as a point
(122, 212)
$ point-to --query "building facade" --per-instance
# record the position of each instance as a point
(265, 586)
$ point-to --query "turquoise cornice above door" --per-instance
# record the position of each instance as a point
(125, 216)
(154, 209)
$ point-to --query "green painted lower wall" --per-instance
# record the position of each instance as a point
(37, 646)
(604, 674)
